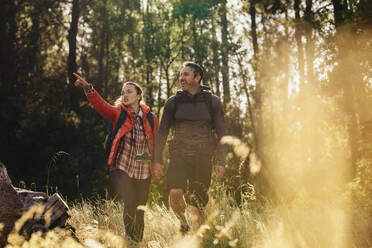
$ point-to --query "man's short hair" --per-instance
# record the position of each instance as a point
(198, 70)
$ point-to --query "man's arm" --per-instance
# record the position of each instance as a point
(221, 130)
(161, 138)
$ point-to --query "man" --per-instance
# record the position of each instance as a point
(192, 114)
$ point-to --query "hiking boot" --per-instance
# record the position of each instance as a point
(185, 228)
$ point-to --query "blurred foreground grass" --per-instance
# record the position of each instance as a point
(299, 221)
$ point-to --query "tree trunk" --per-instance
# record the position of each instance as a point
(182, 41)
(309, 42)
(107, 57)
(258, 96)
(216, 59)
(159, 91)
(149, 53)
(149, 87)
(310, 118)
(225, 54)
(244, 77)
(340, 12)
(346, 78)
(168, 82)
(259, 89)
(196, 41)
(72, 34)
(101, 55)
(287, 67)
(252, 12)
(72, 65)
(298, 35)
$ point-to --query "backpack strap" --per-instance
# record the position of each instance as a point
(122, 118)
(112, 133)
(210, 109)
(208, 100)
(150, 119)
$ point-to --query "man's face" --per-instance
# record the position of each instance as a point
(189, 82)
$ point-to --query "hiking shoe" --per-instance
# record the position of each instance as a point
(185, 228)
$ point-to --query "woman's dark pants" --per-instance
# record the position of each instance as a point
(133, 192)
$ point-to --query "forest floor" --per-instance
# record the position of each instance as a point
(299, 222)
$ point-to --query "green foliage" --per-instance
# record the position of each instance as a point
(197, 9)
(359, 192)
(358, 196)
(297, 126)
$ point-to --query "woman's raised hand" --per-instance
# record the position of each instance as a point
(80, 82)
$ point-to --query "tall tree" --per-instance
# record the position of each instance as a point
(252, 12)
(169, 50)
(102, 47)
(225, 47)
(150, 49)
(308, 18)
(298, 34)
(72, 65)
(72, 34)
(216, 58)
(347, 78)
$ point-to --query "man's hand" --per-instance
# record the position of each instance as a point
(158, 171)
(220, 172)
(80, 82)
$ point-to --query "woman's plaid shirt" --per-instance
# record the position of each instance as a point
(132, 143)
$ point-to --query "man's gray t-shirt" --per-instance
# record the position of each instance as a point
(191, 123)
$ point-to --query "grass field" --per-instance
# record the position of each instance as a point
(302, 221)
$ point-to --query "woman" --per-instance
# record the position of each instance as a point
(130, 170)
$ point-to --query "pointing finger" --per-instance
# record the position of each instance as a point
(76, 75)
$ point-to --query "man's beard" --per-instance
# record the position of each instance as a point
(185, 84)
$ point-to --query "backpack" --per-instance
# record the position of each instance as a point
(112, 133)
(206, 97)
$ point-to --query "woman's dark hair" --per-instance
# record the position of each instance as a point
(198, 70)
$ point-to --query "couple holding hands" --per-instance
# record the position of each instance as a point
(195, 116)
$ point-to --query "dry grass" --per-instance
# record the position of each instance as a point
(298, 222)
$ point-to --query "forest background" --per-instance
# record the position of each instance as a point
(294, 76)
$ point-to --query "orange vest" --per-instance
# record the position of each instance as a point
(112, 113)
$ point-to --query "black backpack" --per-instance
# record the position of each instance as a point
(112, 133)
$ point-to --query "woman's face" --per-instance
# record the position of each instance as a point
(129, 95)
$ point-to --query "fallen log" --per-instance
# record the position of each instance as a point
(35, 210)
